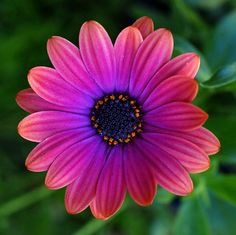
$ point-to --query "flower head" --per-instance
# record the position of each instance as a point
(111, 119)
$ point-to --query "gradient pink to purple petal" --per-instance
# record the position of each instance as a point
(173, 142)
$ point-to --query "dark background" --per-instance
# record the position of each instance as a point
(205, 26)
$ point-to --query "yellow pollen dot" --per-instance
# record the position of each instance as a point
(93, 118)
(115, 142)
(139, 130)
(132, 102)
(127, 140)
(101, 102)
(133, 134)
(120, 97)
(112, 97)
(137, 111)
(106, 99)
(137, 114)
(105, 138)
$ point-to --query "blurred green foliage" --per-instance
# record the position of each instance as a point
(206, 27)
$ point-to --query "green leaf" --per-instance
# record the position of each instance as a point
(224, 187)
(191, 219)
(163, 197)
(224, 128)
(209, 4)
(183, 46)
(221, 47)
(222, 77)
(221, 216)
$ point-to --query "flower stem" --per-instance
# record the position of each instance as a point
(24, 201)
(94, 225)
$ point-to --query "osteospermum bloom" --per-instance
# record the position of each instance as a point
(112, 119)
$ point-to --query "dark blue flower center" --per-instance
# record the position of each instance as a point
(117, 118)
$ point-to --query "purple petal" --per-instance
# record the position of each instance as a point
(201, 137)
(111, 187)
(28, 100)
(169, 173)
(42, 156)
(145, 25)
(126, 46)
(98, 54)
(178, 116)
(186, 65)
(189, 155)
(66, 58)
(49, 85)
(81, 192)
(140, 179)
(41, 125)
(71, 163)
(173, 89)
(153, 53)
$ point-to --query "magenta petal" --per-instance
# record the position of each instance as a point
(66, 58)
(81, 192)
(42, 156)
(178, 116)
(126, 46)
(189, 155)
(173, 89)
(169, 173)
(201, 137)
(95, 211)
(49, 85)
(111, 187)
(28, 100)
(98, 54)
(153, 53)
(186, 65)
(38, 126)
(145, 25)
(140, 179)
(71, 163)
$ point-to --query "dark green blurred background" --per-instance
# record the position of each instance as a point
(205, 26)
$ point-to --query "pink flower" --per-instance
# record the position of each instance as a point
(111, 119)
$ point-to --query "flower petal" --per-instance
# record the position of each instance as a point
(42, 156)
(66, 58)
(28, 100)
(49, 85)
(189, 155)
(95, 211)
(71, 163)
(38, 126)
(176, 116)
(173, 89)
(145, 25)
(186, 65)
(169, 173)
(81, 192)
(98, 54)
(126, 46)
(111, 187)
(201, 137)
(153, 53)
(140, 179)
